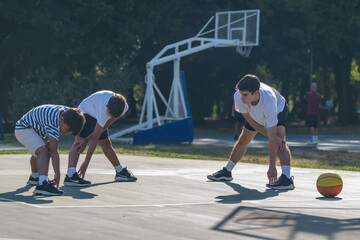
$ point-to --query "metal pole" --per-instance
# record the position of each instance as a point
(1, 129)
(176, 81)
(311, 66)
(150, 95)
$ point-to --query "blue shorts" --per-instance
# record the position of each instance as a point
(282, 119)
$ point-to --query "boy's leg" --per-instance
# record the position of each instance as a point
(72, 179)
(34, 177)
(43, 162)
(285, 181)
(241, 145)
(285, 155)
(45, 187)
(32, 141)
(74, 155)
(237, 153)
(122, 174)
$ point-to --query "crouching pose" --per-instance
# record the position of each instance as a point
(265, 111)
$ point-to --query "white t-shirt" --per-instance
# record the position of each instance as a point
(265, 113)
(95, 106)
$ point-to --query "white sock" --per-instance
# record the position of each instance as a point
(230, 165)
(119, 168)
(42, 178)
(286, 170)
(34, 174)
(71, 171)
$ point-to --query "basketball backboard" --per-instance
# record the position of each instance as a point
(234, 25)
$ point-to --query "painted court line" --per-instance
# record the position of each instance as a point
(161, 205)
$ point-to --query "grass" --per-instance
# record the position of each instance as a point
(305, 159)
(339, 160)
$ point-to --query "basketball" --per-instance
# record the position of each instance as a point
(329, 184)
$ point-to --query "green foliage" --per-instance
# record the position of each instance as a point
(61, 51)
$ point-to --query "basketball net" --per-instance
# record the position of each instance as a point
(244, 50)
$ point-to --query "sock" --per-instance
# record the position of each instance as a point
(313, 138)
(286, 170)
(230, 165)
(316, 138)
(71, 171)
(34, 174)
(42, 178)
(119, 168)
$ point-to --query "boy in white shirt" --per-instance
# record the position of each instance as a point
(101, 109)
(265, 111)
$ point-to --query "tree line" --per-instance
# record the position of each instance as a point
(61, 51)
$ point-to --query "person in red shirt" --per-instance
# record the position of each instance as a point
(313, 99)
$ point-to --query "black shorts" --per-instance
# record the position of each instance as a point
(311, 120)
(282, 119)
(239, 117)
(90, 126)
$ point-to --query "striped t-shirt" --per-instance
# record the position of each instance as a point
(44, 119)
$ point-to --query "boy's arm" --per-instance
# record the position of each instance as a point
(55, 159)
(109, 122)
(273, 149)
(93, 143)
(83, 141)
(261, 129)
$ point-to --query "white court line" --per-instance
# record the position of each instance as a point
(165, 204)
(23, 203)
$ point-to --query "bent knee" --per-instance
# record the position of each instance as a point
(105, 143)
(42, 151)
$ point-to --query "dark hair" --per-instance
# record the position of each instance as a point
(74, 118)
(249, 83)
(116, 105)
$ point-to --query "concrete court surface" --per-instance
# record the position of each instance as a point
(173, 199)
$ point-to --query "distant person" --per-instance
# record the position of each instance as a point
(238, 122)
(313, 99)
(31, 130)
(265, 111)
(101, 109)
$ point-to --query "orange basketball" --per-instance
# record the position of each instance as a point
(329, 184)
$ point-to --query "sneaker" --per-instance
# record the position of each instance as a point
(76, 181)
(125, 176)
(313, 142)
(47, 189)
(221, 175)
(283, 183)
(33, 181)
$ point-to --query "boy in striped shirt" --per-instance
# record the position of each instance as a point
(31, 130)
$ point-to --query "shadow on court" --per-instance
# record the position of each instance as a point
(260, 223)
(18, 197)
(78, 193)
(244, 193)
(74, 192)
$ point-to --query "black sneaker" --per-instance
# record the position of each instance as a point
(76, 181)
(283, 183)
(125, 176)
(33, 181)
(47, 189)
(221, 175)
